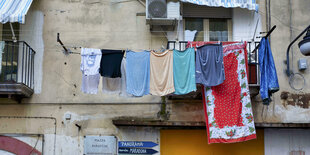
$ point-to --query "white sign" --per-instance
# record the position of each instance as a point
(100, 145)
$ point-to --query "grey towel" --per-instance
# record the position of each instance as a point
(209, 65)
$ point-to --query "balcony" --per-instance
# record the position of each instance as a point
(253, 74)
(17, 73)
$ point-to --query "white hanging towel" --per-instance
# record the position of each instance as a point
(90, 84)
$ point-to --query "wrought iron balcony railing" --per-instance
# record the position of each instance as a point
(252, 59)
(253, 73)
(17, 73)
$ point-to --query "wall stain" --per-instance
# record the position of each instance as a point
(300, 100)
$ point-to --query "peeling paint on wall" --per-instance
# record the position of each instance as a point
(300, 100)
(292, 114)
(32, 33)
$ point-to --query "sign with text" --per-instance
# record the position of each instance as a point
(136, 151)
(100, 145)
(136, 144)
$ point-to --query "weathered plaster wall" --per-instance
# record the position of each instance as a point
(93, 24)
(32, 33)
(279, 110)
(93, 119)
(110, 24)
(244, 24)
(35, 141)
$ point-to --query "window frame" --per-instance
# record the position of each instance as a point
(206, 36)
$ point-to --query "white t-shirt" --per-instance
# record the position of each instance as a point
(90, 61)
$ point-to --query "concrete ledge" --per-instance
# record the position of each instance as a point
(18, 89)
(181, 124)
(156, 123)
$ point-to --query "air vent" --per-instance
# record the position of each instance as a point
(157, 9)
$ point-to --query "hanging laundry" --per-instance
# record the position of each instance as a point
(2, 45)
(190, 35)
(111, 85)
(228, 112)
(90, 83)
(123, 79)
(110, 65)
(161, 75)
(138, 72)
(209, 65)
(269, 80)
(90, 63)
(184, 71)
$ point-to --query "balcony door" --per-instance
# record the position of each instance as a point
(10, 54)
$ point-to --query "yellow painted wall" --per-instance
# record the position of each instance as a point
(194, 142)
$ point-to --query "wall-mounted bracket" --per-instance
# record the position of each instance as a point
(66, 50)
(267, 35)
(13, 33)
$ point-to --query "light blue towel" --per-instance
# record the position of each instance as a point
(138, 73)
(184, 71)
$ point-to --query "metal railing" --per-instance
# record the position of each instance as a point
(253, 73)
(17, 64)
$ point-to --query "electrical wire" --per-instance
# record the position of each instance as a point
(291, 81)
(35, 145)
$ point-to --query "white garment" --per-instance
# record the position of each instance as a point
(90, 61)
(90, 83)
(90, 64)
(190, 35)
(123, 79)
(111, 85)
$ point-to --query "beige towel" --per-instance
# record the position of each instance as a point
(161, 75)
(111, 85)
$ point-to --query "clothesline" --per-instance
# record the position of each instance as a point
(87, 55)
(188, 44)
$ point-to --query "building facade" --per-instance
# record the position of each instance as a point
(59, 119)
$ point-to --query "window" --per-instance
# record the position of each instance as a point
(215, 29)
(10, 53)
